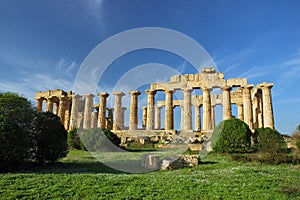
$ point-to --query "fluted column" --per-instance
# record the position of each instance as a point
(49, 107)
(94, 119)
(227, 113)
(88, 109)
(122, 121)
(260, 113)
(197, 117)
(206, 109)
(157, 124)
(169, 121)
(240, 111)
(67, 113)
(110, 118)
(187, 108)
(102, 109)
(213, 118)
(133, 118)
(248, 118)
(144, 120)
(150, 109)
(267, 105)
(118, 110)
(74, 111)
(182, 117)
(255, 112)
(39, 104)
(62, 108)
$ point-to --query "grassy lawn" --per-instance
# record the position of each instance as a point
(80, 176)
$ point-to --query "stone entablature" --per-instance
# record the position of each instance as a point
(254, 104)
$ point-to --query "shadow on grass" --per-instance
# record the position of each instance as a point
(63, 168)
(208, 162)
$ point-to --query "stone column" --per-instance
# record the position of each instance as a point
(213, 119)
(206, 109)
(197, 117)
(144, 120)
(187, 108)
(182, 117)
(267, 105)
(39, 104)
(88, 109)
(110, 118)
(260, 113)
(227, 113)
(169, 121)
(240, 111)
(49, 107)
(150, 109)
(133, 118)
(74, 111)
(94, 120)
(157, 124)
(122, 121)
(62, 108)
(248, 118)
(68, 113)
(102, 109)
(255, 112)
(117, 122)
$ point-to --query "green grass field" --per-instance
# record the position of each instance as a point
(80, 176)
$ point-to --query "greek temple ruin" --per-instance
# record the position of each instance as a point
(254, 105)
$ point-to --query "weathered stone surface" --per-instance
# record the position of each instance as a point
(150, 161)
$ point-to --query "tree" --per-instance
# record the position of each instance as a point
(269, 140)
(74, 141)
(231, 136)
(50, 137)
(16, 115)
(99, 139)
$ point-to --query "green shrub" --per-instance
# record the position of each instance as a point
(99, 139)
(50, 137)
(16, 115)
(74, 141)
(269, 140)
(231, 136)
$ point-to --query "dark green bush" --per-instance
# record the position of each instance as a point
(269, 140)
(231, 136)
(50, 137)
(16, 115)
(74, 141)
(99, 139)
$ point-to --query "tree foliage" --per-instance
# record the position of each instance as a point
(16, 114)
(50, 137)
(269, 140)
(231, 136)
(74, 141)
(99, 139)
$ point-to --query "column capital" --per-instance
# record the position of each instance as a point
(206, 89)
(118, 94)
(110, 109)
(88, 95)
(226, 88)
(150, 92)
(144, 107)
(187, 90)
(248, 86)
(134, 92)
(103, 94)
(166, 91)
(75, 96)
(265, 85)
(124, 108)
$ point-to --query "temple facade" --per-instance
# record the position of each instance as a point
(254, 105)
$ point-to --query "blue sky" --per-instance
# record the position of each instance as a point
(43, 43)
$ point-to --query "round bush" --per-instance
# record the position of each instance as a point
(269, 140)
(231, 136)
(16, 115)
(50, 137)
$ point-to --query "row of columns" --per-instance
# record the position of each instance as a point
(256, 112)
